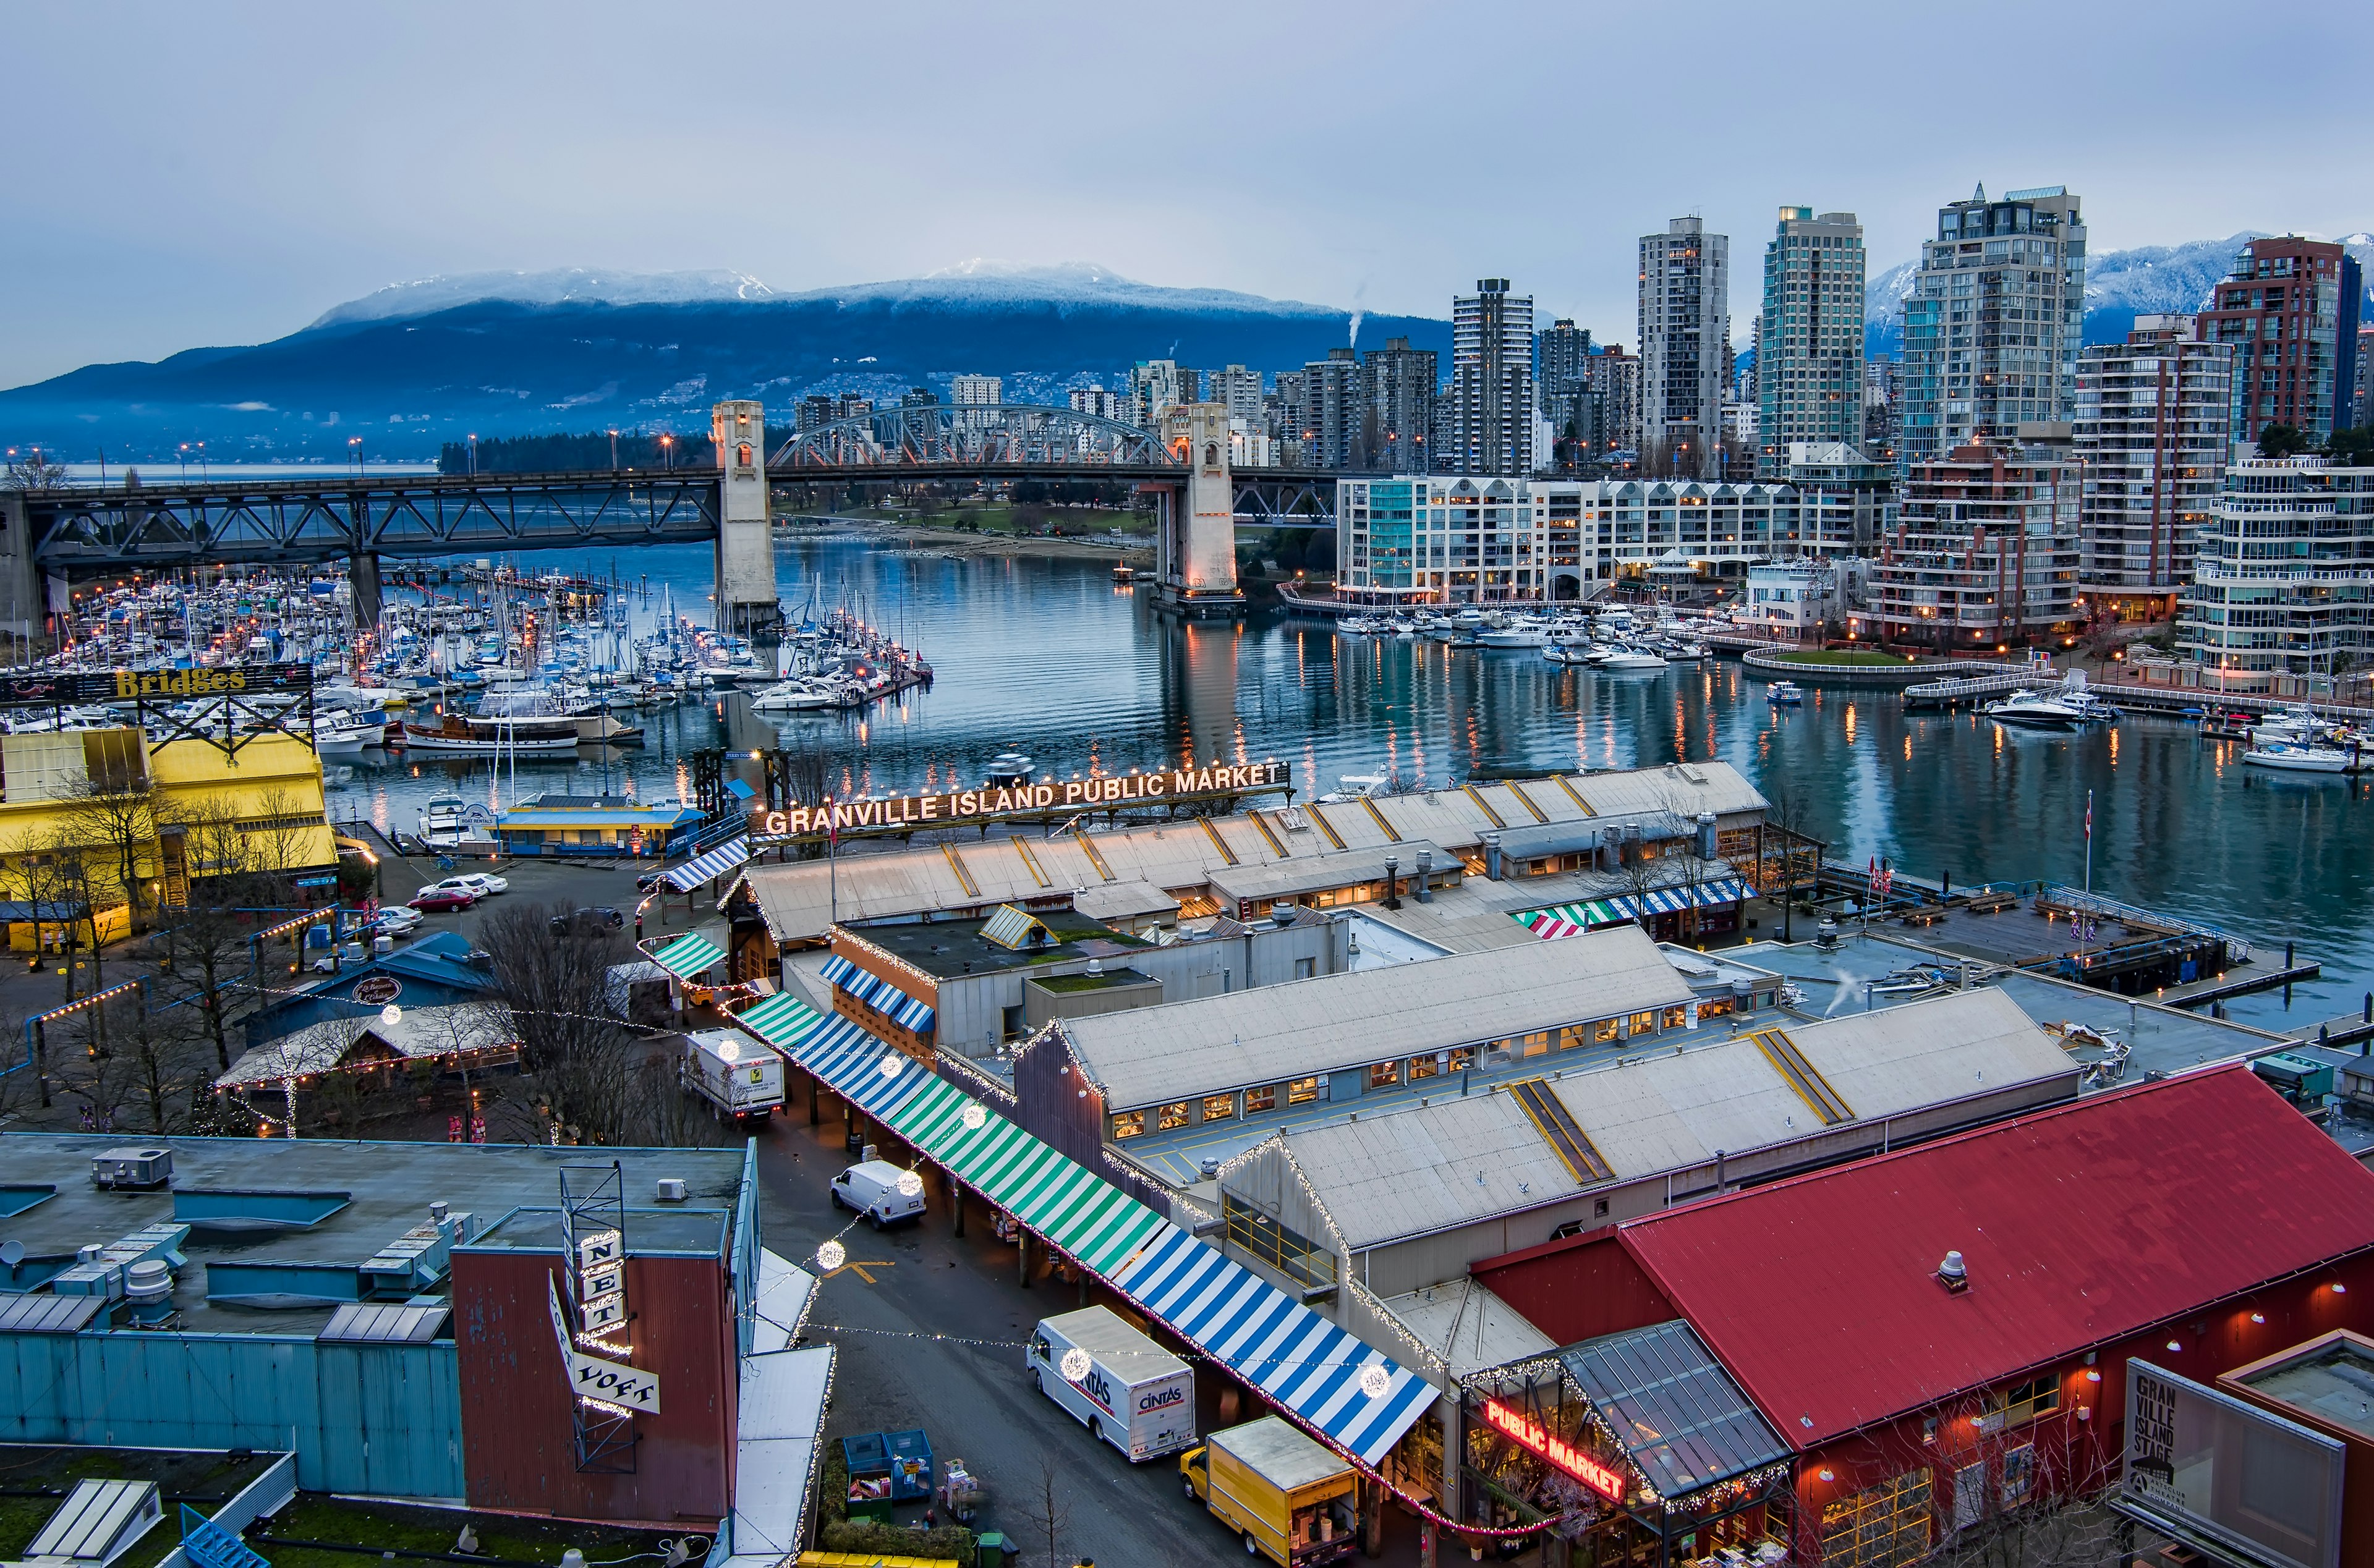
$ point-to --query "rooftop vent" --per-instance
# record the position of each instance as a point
(1281, 912)
(1952, 1275)
(132, 1169)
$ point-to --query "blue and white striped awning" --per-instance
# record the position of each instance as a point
(709, 865)
(1301, 1361)
(1672, 900)
(880, 994)
(1319, 1374)
(691, 956)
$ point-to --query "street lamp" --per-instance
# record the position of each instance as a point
(474, 454)
(614, 449)
(355, 452)
(667, 452)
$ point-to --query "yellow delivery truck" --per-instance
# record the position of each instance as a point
(1290, 1497)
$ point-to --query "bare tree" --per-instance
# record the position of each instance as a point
(1679, 817)
(578, 1066)
(113, 814)
(1048, 1511)
(202, 951)
(1786, 821)
(34, 472)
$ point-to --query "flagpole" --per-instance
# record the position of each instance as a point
(2089, 843)
(832, 855)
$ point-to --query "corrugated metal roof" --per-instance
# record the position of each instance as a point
(1412, 1171)
(48, 1314)
(1150, 1055)
(384, 1323)
(1672, 1405)
(1466, 1327)
(2079, 1226)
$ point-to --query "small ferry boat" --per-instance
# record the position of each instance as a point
(1123, 573)
(1785, 694)
(1008, 769)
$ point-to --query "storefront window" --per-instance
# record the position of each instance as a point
(1172, 1116)
(1128, 1124)
(1262, 1099)
(1644, 1023)
(1423, 1067)
(1603, 1031)
(1303, 1090)
(1462, 1057)
(1678, 1017)
(1219, 1108)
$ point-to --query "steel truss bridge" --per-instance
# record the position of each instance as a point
(83, 532)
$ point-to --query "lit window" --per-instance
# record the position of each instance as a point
(1462, 1057)
(1219, 1108)
(1171, 1116)
(1128, 1124)
(1604, 1030)
(1384, 1074)
(1303, 1090)
(1644, 1023)
(1423, 1067)
(1262, 1099)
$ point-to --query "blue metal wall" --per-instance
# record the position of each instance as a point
(379, 1418)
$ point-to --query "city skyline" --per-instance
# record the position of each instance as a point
(202, 211)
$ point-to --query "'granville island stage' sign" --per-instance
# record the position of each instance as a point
(1071, 794)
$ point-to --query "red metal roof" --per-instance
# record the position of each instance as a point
(2079, 1226)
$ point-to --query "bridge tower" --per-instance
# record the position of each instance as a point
(1195, 523)
(745, 546)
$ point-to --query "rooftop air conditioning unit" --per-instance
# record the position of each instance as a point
(672, 1189)
(132, 1169)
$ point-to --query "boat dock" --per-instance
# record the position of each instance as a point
(1961, 690)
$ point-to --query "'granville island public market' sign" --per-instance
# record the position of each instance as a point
(1080, 794)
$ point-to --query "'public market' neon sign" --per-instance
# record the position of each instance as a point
(1527, 1432)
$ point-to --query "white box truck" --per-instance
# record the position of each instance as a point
(1128, 1391)
(738, 1076)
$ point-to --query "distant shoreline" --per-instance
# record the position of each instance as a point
(951, 541)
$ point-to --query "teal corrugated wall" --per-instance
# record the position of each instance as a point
(381, 1419)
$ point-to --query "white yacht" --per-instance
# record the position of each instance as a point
(1520, 632)
(2035, 711)
(1358, 787)
(443, 821)
(1633, 659)
(804, 694)
(2292, 758)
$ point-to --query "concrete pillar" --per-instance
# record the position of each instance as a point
(955, 1207)
(20, 584)
(363, 573)
(1372, 1518)
(746, 547)
(1022, 1252)
(1201, 575)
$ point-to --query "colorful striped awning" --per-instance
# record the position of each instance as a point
(1571, 919)
(880, 994)
(708, 865)
(1314, 1370)
(689, 957)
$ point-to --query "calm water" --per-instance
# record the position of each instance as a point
(1051, 658)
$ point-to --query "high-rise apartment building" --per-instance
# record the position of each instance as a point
(1984, 551)
(1562, 385)
(1615, 383)
(1153, 391)
(1486, 422)
(976, 391)
(1684, 346)
(1241, 390)
(1333, 421)
(2362, 402)
(2152, 433)
(814, 412)
(2284, 581)
(2289, 312)
(1993, 323)
(1191, 385)
(919, 397)
(1402, 390)
(1883, 384)
(1102, 404)
(1809, 339)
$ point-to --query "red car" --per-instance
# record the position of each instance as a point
(441, 901)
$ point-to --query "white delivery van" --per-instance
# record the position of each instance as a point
(738, 1076)
(873, 1189)
(1132, 1393)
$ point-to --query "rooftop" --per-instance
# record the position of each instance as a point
(317, 1201)
(2330, 1380)
(2211, 1183)
(948, 949)
(1335, 1023)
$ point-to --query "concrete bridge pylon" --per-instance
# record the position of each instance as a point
(745, 544)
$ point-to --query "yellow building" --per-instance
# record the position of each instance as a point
(81, 809)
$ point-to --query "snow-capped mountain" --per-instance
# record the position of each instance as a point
(2119, 285)
(561, 286)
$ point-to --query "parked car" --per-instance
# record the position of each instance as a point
(397, 920)
(649, 881)
(587, 919)
(474, 883)
(442, 900)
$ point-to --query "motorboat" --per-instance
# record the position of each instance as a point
(1633, 658)
(1358, 625)
(443, 821)
(1121, 573)
(804, 694)
(340, 735)
(1518, 632)
(1402, 625)
(1681, 651)
(2292, 726)
(1008, 769)
(1785, 694)
(1571, 653)
(2290, 757)
(2035, 711)
(1353, 786)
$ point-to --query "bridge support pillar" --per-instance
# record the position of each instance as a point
(745, 544)
(20, 579)
(362, 573)
(1196, 554)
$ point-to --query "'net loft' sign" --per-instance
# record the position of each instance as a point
(1075, 794)
(1532, 1436)
(595, 1380)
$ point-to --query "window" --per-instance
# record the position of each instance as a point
(1305, 968)
(1462, 1057)
(1881, 1526)
(1676, 1017)
(2037, 1397)
(1599, 1207)
(1423, 1067)
(1171, 1116)
(1384, 1074)
(1291, 1255)
(1219, 1108)
(1644, 1023)
(2018, 1475)
(1303, 1090)
(1604, 1030)
(1535, 1044)
(1128, 1124)
(1262, 1099)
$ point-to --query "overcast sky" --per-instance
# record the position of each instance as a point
(192, 175)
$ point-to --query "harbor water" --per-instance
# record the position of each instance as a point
(1049, 657)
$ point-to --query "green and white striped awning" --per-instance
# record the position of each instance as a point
(1078, 1211)
(689, 957)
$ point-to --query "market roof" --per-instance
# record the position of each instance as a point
(1317, 874)
(1333, 1023)
(948, 949)
(1420, 1169)
(418, 1032)
(1467, 1328)
(1673, 1407)
(2077, 1226)
(798, 900)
